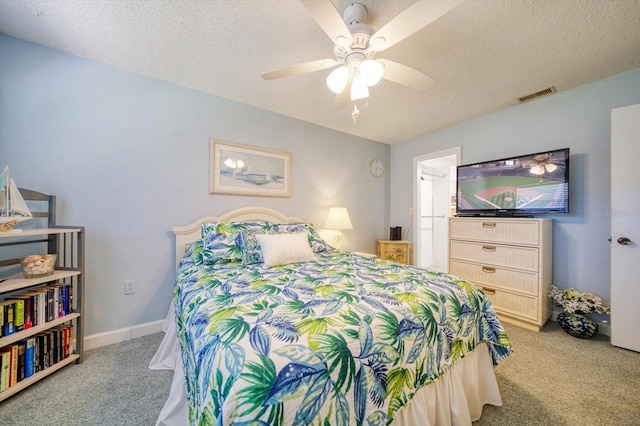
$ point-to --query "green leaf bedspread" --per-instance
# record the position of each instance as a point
(347, 339)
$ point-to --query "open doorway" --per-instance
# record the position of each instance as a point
(434, 203)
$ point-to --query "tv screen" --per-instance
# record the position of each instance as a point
(524, 185)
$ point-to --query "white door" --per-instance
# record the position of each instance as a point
(625, 227)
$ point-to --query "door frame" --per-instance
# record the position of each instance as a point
(416, 210)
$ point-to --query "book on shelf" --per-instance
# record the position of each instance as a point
(26, 357)
(38, 306)
(27, 301)
(5, 368)
(42, 351)
(29, 357)
(22, 346)
(18, 314)
(8, 327)
(13, 377)
(40, 298)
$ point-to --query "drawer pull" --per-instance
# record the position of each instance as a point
(489, 248)
(488, 290)
(488, 270)
(488, 224)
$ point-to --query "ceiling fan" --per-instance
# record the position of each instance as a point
(356, 44)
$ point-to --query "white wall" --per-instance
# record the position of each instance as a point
(127, 157)
(578, 119)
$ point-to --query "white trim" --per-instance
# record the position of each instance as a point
(121, 335)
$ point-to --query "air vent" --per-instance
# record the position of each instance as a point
(543, 92)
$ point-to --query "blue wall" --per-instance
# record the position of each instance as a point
(578, 119)
(128, 158)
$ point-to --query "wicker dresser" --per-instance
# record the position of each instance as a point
(511, 260)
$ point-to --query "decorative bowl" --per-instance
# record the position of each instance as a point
(38, 265)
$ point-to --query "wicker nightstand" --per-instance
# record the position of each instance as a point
(397, 251)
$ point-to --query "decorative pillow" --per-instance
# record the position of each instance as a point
(221, 240)
(318, 245)
(251, 251)
(283, 249)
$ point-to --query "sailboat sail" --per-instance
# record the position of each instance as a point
(13, 208)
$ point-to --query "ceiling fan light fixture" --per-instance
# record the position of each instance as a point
(550, 167)
(371, 71)
(359, 89)
(337, 79)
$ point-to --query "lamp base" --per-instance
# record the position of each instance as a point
(332, 237)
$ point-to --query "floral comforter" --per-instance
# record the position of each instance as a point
(346, 339)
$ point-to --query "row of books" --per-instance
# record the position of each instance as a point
(26, 357)
(44, 304)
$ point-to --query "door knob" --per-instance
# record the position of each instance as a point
(624, 241)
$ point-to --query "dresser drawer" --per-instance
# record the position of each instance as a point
(511, 231)
(513, 304)
(496, 255)
(518, 281)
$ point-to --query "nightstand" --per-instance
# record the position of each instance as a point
(397, 251)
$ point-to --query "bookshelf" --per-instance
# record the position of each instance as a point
(62, 325)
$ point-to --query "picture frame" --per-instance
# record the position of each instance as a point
(237, 169)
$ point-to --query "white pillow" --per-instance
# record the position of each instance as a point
(282, 249)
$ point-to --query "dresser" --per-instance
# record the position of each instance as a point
(511, 260)
(394, 250)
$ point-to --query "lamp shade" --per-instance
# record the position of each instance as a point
(338, 218)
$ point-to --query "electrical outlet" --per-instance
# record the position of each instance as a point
(129, 287)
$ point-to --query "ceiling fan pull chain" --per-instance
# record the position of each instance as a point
(355, 114)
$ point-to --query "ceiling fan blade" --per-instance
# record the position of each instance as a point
(330, 20)
(412, 19)
(306, 67)
(402, 74)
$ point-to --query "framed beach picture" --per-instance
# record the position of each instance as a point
(237, 169)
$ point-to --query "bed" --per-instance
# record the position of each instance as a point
(271, 326)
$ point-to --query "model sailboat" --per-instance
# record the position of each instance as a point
(13, 208)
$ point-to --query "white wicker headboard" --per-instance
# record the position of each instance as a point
(185, 235)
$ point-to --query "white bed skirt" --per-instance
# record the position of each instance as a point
(456, 398)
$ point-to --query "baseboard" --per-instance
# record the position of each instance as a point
(121, 335)
(603, 327)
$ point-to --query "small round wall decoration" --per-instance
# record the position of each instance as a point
(376, 168)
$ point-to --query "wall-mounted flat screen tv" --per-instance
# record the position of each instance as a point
(517, 186)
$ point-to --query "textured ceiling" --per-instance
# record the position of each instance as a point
(483, 54)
